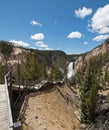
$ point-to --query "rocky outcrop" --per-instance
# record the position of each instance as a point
(79, 62)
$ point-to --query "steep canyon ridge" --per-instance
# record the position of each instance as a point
(72, 81)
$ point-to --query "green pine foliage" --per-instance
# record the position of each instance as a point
(34, 68)
(95, 77)
(31, 70)
(89, 89)
(2, 72)
(6, 49)
(106, 76)
(56, 74)
(89, 92)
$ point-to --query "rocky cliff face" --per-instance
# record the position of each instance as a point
(79, 62)
(56, 57)
(18, 54)
(49, 59)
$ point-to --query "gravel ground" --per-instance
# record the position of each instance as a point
(52, 111)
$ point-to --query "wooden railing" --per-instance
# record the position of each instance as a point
(7, 84)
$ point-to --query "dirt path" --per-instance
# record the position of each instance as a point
(51, 111)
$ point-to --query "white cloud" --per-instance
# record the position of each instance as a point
(83, 12)
(104, 30)
(100, 37)
(85, 42)
(47, 48)
(74, 35)
(35, 23)
(41, 44)
(19, 43)
(38, 36)
(100, 20)
(33, 48)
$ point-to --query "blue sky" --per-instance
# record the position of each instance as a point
(68, 25)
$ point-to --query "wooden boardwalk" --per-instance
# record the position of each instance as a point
(4, 122)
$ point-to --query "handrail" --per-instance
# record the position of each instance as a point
(8, 103)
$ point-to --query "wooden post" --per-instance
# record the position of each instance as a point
(10, 89)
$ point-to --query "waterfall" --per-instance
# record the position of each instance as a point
(70, 69)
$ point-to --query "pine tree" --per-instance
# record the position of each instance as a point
(18, 73)
(89, 91)
(106, 76)
(6, 49)
(26, 75)
(2, 73)
(56, 74)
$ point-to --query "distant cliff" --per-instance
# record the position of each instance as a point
(51, 58)
(80, 60)
(23, 62)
